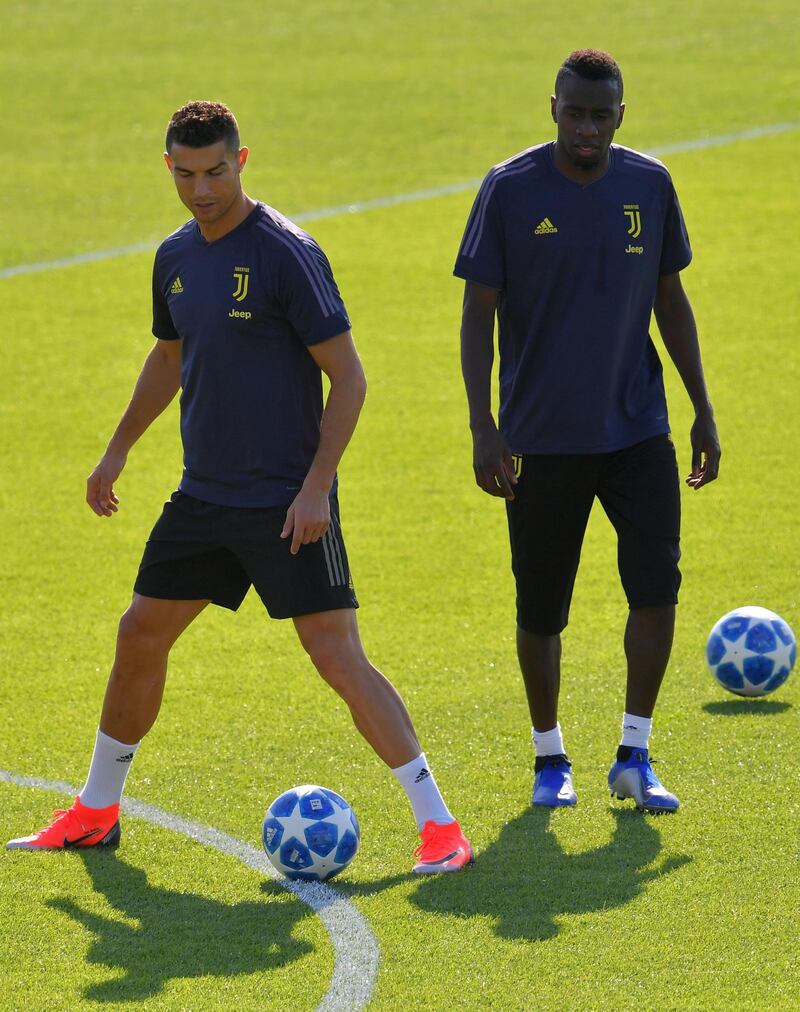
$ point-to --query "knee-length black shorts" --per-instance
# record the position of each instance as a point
(639, 490)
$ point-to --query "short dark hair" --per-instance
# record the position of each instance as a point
(592, 65)
(199, 124)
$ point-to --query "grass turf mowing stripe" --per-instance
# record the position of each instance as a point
(355, 946)
(698, 144)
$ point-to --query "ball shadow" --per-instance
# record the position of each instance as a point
(751, 707)
(344, 887)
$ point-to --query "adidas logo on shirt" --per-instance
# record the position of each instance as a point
(545, 227)
(177, 287)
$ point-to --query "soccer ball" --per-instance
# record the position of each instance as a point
(310, 833)
(751, 651)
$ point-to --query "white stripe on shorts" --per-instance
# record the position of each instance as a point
(328, 562)
(338, 543)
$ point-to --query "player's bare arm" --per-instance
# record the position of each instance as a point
(158, 382)
(676, 323)
(491, 457)
(309, 515)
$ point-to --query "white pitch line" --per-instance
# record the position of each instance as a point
(357, 206)
(356, 950)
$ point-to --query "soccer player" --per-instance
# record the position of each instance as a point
(247, 316)
(572, 244)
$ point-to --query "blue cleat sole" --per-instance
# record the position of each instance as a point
(650, 809)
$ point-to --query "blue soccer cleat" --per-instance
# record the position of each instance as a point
(552, 783)
(634, 778)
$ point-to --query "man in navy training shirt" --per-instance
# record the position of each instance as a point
(572, 244)
(247, 316)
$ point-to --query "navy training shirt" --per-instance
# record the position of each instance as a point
(246, 306)
(577, 268)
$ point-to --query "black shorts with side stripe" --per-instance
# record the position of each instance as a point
(201, 551)
(639, 490)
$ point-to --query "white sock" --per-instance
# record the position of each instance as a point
(548, 742)
(111, 761)
(418, 782)
(636, 730)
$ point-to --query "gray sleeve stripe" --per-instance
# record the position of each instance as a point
(475, 230)
(313, 255)
(299, 253)
(311, 270)
(478, 213)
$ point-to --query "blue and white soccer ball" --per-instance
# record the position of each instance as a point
(751, 651)
(310, 833)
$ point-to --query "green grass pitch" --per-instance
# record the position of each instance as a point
(595, 908)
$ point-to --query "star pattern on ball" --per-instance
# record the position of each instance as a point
(782, 655)
(736, 654)
(298, 825)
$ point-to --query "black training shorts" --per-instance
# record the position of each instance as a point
(639, 490)
(199, 551)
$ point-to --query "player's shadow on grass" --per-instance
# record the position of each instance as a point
(526, 881)
(176, 934)
(750, 707)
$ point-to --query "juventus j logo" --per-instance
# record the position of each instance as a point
(632, 213)
(241, 276)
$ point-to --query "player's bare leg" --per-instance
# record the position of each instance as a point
(540, 663)
(648, 644)
(147, 632)
(332, 641)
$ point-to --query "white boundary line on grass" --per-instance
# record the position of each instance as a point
(355, 947)
(678, 147)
